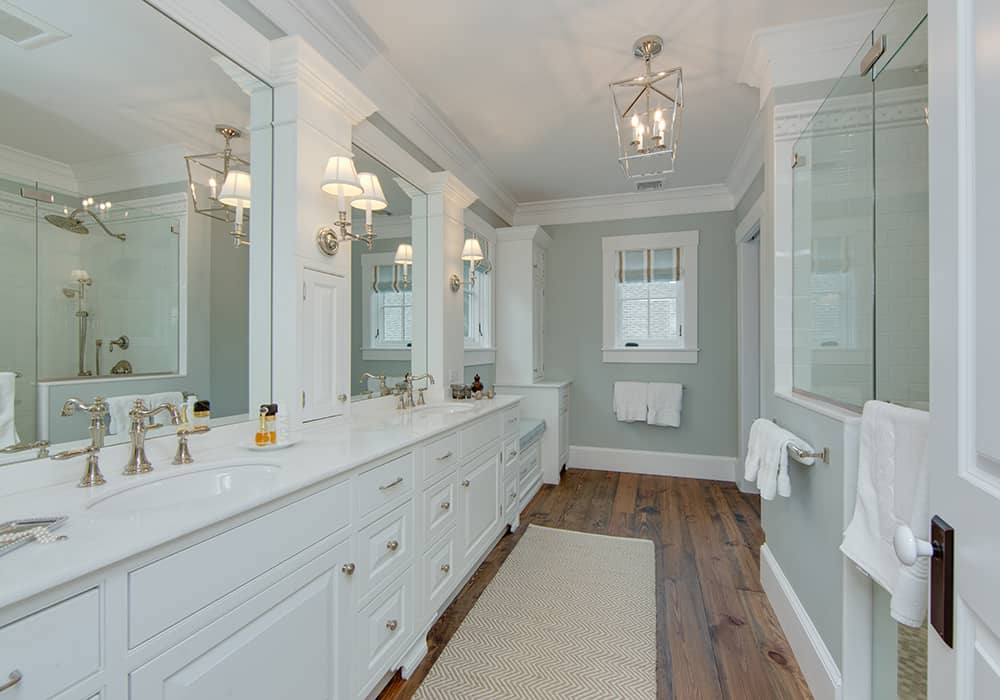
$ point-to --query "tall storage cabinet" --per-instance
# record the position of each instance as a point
(520, 315)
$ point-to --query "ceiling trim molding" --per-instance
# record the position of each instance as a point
(451, 188)
(22, 166)
(155, 166)
(378, 145)
(804, 52)
(335, 34)
(633, 205)
(749, 159)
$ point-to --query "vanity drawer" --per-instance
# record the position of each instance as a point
(54, 648)
(439, 509)
(511, 421)
(480, 434)
(440, 571)
(384, 548)
(384, 484)
(440, 457)
(165, 592)
(383, 630)
(511, 450)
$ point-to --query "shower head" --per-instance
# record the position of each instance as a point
(67, 223)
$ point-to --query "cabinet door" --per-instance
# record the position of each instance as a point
(481, 502)
(287, 642)
(325, 344)
(563, 437)
(538, 330)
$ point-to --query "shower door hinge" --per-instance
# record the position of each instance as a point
(873, 55)
(797, 160)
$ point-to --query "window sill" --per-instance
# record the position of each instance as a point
(686, 356)
(397, 354)
(480, 356)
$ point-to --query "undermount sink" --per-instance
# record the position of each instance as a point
(443, 409)
(203, 485)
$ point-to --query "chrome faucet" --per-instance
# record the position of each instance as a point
(406, 398)
(138, 463)
(383, 390)
(96, 409)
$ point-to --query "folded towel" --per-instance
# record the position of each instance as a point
(118, 408)
(630, 401)
(664, 403)
(174, 398)
(767, 458)
(892, 490)
(8, 432)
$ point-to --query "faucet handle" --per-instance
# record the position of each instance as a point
(183, 454)
(420, 396)
(93, 476)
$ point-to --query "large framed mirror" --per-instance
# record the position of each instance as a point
(130, 166)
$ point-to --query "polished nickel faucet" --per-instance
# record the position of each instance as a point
(383, 390)
(406, 398)
(96, 409)
(138, 463)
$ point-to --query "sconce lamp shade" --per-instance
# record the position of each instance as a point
(472, 250)
(235, 190)
(340, 178)
(404, 254)
(373, 197)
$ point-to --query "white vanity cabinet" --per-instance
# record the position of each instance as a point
(548, 401)
(480, 503)
(520, 319)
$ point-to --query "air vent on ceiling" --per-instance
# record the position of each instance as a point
(26, 30)
(649, 185)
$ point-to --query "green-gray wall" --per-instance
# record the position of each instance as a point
(573, 312)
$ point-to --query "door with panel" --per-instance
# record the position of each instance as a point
(325, 344)
(479, 493)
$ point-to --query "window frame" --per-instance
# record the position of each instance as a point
(369, 351)
(687, 351)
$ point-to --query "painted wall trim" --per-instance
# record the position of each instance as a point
(812, 654)
(631, 205)
(749, 159)
(654, 463)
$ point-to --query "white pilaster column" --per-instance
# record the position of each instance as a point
(315, 108)
(447, 199)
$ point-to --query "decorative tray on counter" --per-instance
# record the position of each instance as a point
(266, 448)
(13, 527)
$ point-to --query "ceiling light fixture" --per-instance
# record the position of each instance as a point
(647, 113)
(208, 170)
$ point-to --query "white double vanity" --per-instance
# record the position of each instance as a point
(314, 571)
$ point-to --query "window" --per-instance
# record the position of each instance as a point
(650, 284)
(388, 317)
(478, 307)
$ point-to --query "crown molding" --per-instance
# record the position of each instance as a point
(529, 232)
(155, 166)
(632, 205)
(749, 159)
(804, 52)
(22, 166)
(451, 188)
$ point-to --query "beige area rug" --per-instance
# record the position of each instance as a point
(569, 615)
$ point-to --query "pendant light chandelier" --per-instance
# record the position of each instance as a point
(226, 176)
(647, 113)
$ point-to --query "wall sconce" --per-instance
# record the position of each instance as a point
(340, 180)
(404, 258)
(471, 252)
(373, 199)
(235, 192)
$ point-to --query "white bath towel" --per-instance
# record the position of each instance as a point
(118, 408)
(767, 458)
(8, 431)
(892, 490)
(664, 404)
(630, 401)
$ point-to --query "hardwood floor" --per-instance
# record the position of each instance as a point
(717, 635)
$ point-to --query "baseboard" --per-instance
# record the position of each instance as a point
(653, 463)
(812, 654)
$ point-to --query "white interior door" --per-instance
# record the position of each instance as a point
(325, 344)
(964, 442)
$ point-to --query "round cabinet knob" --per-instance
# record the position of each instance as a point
(446, 568)
(445, 505)
(466, 483)
(392, 545)
(348, 569)
(908, 547)
(391, 625)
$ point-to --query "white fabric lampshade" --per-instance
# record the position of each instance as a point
(404, 254)
(373, 197)
(472, 250)
(235, 190)
(340, 177)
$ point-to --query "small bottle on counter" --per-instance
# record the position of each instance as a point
(202, 413)
(263, 437)
(272, 423)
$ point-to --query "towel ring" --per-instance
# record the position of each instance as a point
(799, 454)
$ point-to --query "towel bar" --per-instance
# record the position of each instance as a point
(823, 455)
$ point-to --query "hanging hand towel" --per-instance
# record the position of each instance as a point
(767, 458)
(664, 404)
(892, 490)
(630, 401)
(8, 432)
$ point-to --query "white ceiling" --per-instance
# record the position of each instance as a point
(125, 80)
(526, 82)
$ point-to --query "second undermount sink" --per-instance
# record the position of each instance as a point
(447, 409)
(189, 487)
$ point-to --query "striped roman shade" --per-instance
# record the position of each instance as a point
(650, 265)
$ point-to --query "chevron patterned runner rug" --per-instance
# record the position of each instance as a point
(568, 616)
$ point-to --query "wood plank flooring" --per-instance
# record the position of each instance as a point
(717, 635)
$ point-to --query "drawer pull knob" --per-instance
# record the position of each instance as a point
(13, 679)
(446, 455)
(349, 569)
(446, 568)
(445, 505)
(392, 545)
(466, 483)
(395, 482)
(391, 625)
(513, 454)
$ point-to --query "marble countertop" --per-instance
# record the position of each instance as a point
(325, 449)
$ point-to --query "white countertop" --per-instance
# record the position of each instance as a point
(550, 384)
(325, 450)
